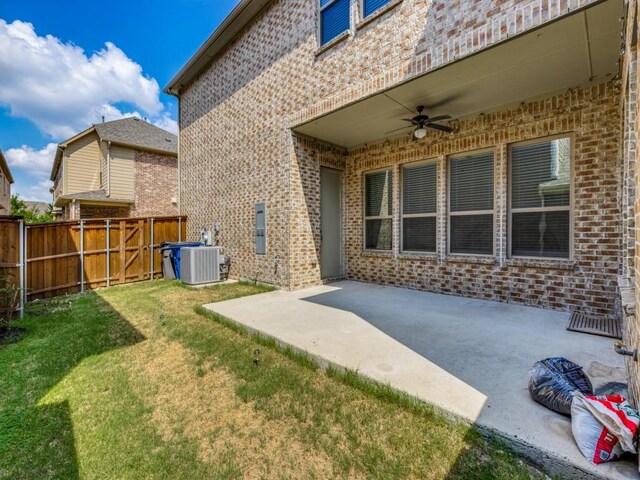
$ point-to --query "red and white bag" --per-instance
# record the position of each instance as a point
(603, 427)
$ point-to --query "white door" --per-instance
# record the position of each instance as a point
(331, 222)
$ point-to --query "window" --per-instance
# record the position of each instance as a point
(334, 19)
(419, 207)
(378, 192)
(541, 199)
(370, 6)
(471, 204)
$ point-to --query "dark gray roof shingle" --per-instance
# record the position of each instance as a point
(96, 195)
(137, 132)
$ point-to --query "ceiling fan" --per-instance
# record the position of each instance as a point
(421, 122)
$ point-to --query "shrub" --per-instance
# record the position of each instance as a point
(9, 298)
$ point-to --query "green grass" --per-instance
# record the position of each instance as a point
(140, 382)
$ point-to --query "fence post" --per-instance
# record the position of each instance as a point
(108, 226)
(81, 255)
(21, 259)
(25, 272)
(151, 250)
(179, 229)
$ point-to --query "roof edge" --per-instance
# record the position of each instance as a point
(226, 32)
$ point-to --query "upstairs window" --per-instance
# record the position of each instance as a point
(419, 207)
(334, 19)
(471, 204)
(378, 224)
(370, 6)
(541, 199)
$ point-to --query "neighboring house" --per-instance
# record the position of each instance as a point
(123, 168)
(5, 186)
(290, 140)
(39, 208)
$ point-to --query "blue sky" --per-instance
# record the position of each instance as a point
(67, 63)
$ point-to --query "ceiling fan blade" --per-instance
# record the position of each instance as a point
(397, 129)
(443, 128)
(408, 120)
(439, 117)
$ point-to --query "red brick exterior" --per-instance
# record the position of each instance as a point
(237, 149)
(155, 184)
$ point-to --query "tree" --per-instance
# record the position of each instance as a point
(20, 208)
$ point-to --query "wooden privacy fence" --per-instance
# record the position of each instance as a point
(66, 257)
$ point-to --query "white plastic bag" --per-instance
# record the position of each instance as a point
(603, 427)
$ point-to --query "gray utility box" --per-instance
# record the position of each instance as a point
(200, 264)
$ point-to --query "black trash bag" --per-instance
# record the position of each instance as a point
(553, 380)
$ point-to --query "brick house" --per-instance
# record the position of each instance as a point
(292, 140)
(5, 186)
(123, 168)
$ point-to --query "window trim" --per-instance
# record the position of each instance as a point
(494, 211)
(427, 161)
(510, 211)
(341, 36)
(364, 18)
(377, 217)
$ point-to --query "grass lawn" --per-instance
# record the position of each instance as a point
(130, 383)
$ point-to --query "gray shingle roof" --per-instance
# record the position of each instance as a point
(95, 195)
(136, 132)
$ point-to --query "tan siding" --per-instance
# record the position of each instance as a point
(82, 165)
(121, 172)
(104, 168)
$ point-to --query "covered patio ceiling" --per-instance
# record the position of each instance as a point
(577, 50)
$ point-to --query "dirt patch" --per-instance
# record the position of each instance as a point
(205, 408)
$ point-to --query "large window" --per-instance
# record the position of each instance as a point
(370, 6)
(378, 192)
(334, 19)
(541, 199)
(419, 207)
(471, 204)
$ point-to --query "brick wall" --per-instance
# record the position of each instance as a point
(100, 211)
(155, 184)
(588, 283)
(236, 146)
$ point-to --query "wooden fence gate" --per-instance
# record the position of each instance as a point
(50, 259)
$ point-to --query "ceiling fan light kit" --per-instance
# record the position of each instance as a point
(421, 122)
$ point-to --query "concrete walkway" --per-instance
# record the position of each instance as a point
(468, 357)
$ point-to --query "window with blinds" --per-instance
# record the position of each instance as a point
(370, 6)
(334, 19)
(419, 200)
(540, 199)
(471, 204)
(378, 224)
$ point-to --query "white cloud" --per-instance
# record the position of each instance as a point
(62, 90)
(36, 192)
(36, 163)
(166, 122)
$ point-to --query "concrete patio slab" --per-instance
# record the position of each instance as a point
(469, 357)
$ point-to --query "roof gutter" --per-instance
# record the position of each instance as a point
(226, 32)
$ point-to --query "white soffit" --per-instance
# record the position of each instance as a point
(577, 50)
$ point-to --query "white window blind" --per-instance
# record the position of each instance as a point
(541, 199)
(419, 200)
(378, 214)
(334, 19)
(471, 204)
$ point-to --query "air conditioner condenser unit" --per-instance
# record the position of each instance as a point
(200, 264)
